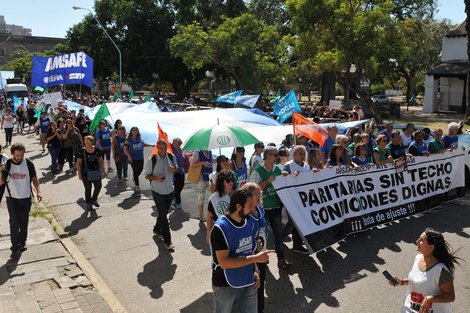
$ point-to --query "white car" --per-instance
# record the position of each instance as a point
(464, 141)
(380, 99)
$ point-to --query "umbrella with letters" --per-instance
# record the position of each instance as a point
(219, 136)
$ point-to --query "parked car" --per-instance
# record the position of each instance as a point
(380, 99)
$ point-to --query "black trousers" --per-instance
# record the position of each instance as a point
(163, 203)
(137, 167)
(179, 184)
(88, 184)
(18, 209)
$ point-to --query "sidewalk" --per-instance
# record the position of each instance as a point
(46, 277)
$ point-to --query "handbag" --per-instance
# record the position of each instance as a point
(118, 158)
(91, 174)
(193, 174)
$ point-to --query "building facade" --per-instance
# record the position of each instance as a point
(446, 84)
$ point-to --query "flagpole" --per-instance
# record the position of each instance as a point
(110, 116)
(220, 151)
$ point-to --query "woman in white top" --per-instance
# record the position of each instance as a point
(257, 158)
(430, 281)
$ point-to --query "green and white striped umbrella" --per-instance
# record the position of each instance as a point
(219, 136)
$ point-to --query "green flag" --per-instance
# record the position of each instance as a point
(131, 95)
(275, 100)
(40, 89)
(148, 98)
(101, 114)
(116, 94)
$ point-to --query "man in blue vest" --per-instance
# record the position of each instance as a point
(235, 275)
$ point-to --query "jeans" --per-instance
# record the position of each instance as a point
(163, 203)
(274, 217)
(20, 126)
(179, 184)
(54, 152)
(18, 209)
(8, 134)
(137, 167)
(224, 298)
(121, 168)
(88, 184)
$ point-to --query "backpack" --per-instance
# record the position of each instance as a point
(154, 160)
(6, 172)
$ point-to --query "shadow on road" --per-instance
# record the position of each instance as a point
(199, 240)
(158, 271)
(85, 220)
(333, 271)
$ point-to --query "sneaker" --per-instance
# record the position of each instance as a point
(178, 205)
(125, 178)
(283, 263)
(157, 233)
(301, 250)
(169, 246)
(96, 204)
(110, 169)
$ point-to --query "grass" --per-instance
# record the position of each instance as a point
(431, 120)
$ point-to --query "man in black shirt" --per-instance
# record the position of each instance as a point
(397, 149)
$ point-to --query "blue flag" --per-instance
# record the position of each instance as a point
(68, 68)
(230, 97)
(285, 106)
(248, 101)
(16, 103)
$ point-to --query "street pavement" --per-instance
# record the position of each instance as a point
(118, 243)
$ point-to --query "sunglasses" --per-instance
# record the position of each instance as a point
(122, 128)
(240, 150)
(260, 147)
(228, 180)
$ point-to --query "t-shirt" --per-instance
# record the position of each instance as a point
(327, 146)
(292, 167)
(91, 162)
(136, 148)
(450, 142)
(19, 181)
(360, 161)
(406, 140)
(55, 142)
(105, 138)
(425, 283)
(397, 151)
(8, 121)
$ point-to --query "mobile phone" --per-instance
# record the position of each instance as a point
(390, 278)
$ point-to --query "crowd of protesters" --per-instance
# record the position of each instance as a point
(242, 201)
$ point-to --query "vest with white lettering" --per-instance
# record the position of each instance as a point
(44, 124)
(241, 243)
(242, 174)
(219, 203)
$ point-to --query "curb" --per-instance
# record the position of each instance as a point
(103, 289)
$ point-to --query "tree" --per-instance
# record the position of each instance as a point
(350, 32)
(248, 49)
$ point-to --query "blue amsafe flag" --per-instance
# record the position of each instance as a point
(69, 68)
(285, 106)
(230, 97)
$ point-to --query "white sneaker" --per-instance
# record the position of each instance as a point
(169, 246)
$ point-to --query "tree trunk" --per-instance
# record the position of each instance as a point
(467, 28)
(328, 91)
(410, 87)
(364, 95)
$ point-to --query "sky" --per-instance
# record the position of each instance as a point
(52, 18)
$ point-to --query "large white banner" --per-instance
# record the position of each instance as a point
(328, 205)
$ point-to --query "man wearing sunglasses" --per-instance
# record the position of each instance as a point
(264, 174)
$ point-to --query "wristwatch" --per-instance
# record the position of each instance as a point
(257, 271)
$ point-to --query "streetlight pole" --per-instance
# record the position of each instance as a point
(155, 76)
(210, 75)
(120, 58)
(300, 89)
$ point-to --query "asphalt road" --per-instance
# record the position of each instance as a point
(117, 239)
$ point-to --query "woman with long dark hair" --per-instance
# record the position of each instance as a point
(430, 281)
(336, 157)
(238, 165)
(54, 145)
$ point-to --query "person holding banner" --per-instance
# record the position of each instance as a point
(436, 145)
(396, 148)
(336, 157)
(417, 146)
(382, 154)
(431, 279)
(451, 140)
(314, 160)
(360, 155)
(8, 120)
(264, 174)
(295, 166)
